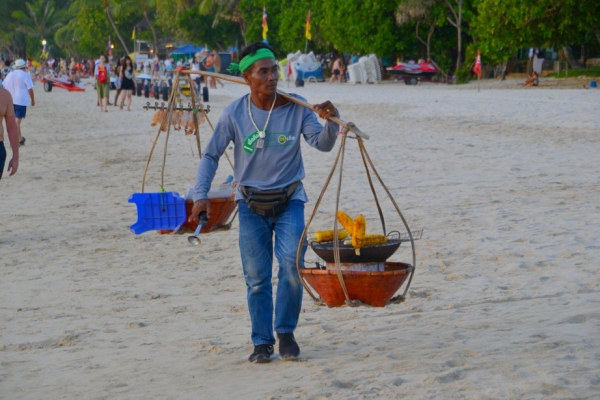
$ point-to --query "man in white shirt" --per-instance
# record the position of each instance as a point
(20, 86)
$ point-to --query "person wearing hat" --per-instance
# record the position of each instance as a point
(20, 86)
(267, 130)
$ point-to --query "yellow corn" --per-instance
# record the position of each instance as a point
(327, 236)
(372, 239)
(359, 230)
(346, 221)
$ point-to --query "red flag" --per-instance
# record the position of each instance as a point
(477, 67)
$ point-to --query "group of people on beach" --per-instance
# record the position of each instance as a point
(125, 83)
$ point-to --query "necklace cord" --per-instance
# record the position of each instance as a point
(261, 134)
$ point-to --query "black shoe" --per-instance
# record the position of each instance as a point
(288, 348)
(22, 141)
(262, 354)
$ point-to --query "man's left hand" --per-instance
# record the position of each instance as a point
(325, 110)
(13, 166)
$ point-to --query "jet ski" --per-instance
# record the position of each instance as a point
(411, 72)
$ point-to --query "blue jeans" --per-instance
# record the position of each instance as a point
(256, 248)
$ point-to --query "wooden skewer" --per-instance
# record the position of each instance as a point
(348, 125)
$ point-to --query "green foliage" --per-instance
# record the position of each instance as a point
(86, 34)
(93, 31)
(386, 27)
(504, 26)
(592, 72)
(251, 12)
(198, 29)
(360, 26)
(463, 74)
(291, 26)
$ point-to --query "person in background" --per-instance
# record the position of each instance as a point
(128, 84)
(169, 67)
(338, 70)
(20, 86)
(7, 113)
(72, 70)
(195, 66)
(2, 68)
(155, 67)
(102, 78)
(118, 70)
(533, 80)
(209, 64)
(217, 66)
(90, 66)
(62, 66)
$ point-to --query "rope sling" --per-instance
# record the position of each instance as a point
(336, 251)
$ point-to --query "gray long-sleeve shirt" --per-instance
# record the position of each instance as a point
(276, 165)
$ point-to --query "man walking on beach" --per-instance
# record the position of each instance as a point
(267, 130)
(7, 113)
(20, 86)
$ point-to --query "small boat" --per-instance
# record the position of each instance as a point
(411, 72)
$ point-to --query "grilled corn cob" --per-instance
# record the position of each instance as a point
(327, 236)
(359, 230)
(346, 221)
(371, 239)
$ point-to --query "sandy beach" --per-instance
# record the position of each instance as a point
(505, 302)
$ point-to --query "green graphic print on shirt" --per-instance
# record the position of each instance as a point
(272, 139)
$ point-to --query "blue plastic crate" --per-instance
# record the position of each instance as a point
(158, 211)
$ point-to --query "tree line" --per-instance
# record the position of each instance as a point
(447, 31)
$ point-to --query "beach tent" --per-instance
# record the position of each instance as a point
(185, 52)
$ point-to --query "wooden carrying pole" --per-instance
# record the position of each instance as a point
(348, 125)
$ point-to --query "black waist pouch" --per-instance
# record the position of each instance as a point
(268, 203)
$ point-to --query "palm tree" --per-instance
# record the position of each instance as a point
(41, 19)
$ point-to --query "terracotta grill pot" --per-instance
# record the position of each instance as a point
(221, 212)
(370, 287)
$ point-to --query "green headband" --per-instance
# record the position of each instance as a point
(250, 59)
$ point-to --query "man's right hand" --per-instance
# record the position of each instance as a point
(199, 206)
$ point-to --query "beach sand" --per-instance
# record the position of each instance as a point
(505, 301)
